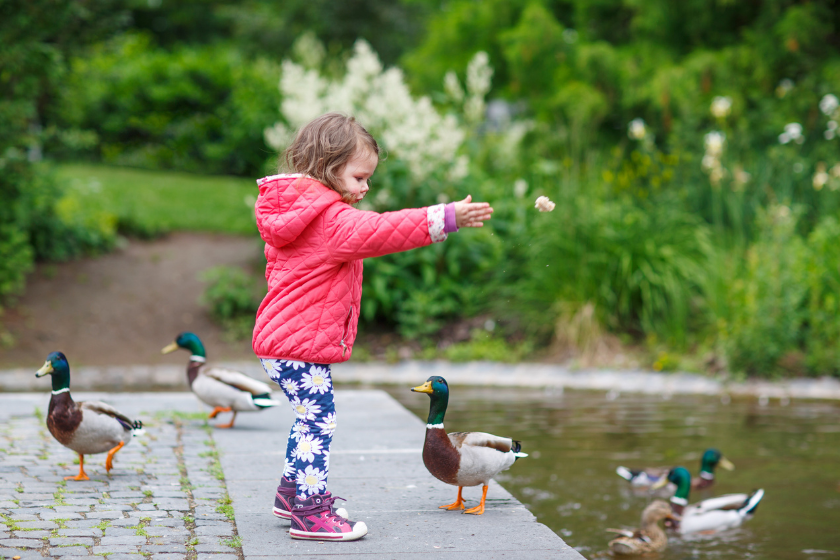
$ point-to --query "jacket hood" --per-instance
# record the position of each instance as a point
(287, 204)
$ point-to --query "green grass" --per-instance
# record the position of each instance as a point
(167, 200)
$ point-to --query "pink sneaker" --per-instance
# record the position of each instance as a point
(313, 519)
(284, 500)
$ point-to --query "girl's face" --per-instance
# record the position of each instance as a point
(355, 175)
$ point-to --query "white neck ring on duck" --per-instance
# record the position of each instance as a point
(679, 501)
(65, 390)
(707, 475)
(433, 426)
(195, 358)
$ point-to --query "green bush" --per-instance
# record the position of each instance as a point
(763, 336)
(823, 307)
(232, 297)
(200, 109)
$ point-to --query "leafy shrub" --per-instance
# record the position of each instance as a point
(822, 275)
(193, 108)
(641, 269)
(232, 297)
(765, 330)
(483, 346)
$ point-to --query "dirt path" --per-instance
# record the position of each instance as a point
(122, 308)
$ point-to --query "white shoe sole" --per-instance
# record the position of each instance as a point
(359, 531)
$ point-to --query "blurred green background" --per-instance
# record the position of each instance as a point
(691, 149)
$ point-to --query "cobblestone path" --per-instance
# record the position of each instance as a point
(165, 498)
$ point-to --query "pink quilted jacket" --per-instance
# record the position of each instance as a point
(314, 245)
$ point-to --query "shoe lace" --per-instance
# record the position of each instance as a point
(325, 505)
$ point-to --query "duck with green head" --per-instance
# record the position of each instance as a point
(714, 514)
(226, 390)
(86, 427)
(646, 478)
(462, 458)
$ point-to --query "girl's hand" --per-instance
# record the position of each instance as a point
(471, 214)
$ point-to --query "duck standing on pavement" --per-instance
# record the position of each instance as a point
(224, 389)
(87, 427)
(462, 458)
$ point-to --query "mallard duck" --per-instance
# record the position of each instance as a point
(646, 478)
(225, 390)
(87, 427)
(462, 458)
(714, 514)
(650, 537)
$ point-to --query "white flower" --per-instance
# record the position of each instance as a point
(709, 162)
(452, 87)
(793, 131)
(829, 104)
(784, 87)
(543, 204)
(306, 409)
(714, 143)
(316, 380)
(312, 479)
(411, 130)
(820, 177)
(326, 460)
(299, 430)
(307, 448)
(294, 364)
(520, 188)
(290, 386)
(328, 425)
(636, 129)
(288, 469)
(721, 106)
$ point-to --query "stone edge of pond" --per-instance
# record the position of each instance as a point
(525, 375)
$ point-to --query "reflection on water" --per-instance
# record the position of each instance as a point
(576, 440)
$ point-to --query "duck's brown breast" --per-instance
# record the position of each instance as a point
(63, 418)
(440, 456)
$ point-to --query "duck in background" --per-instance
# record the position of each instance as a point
(86, 427)
(647, 478)
(462, 458)
(650, 537)
(714, 514)
(224, 389)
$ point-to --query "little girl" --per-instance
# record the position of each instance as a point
(314, 244)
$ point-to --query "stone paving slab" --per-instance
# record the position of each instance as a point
(167, 496)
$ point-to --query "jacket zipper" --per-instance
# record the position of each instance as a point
(346, 330)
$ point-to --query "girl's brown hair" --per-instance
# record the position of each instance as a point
(323, 147)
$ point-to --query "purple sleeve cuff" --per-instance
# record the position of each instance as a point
(450, 224)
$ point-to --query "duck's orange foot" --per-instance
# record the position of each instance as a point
(219, 409)
(458, 504)
(81, 475)
(229, 424)
(479, 509)
(109, 460)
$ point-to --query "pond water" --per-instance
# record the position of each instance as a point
(576, 439)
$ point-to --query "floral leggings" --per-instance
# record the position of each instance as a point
(309, 390)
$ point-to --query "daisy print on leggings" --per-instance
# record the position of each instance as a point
(316, 381)
(312, 479)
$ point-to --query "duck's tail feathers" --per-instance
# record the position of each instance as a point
(137, 428)
(517, 450)
(752, 502)
(264, 401)
(625, 473)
